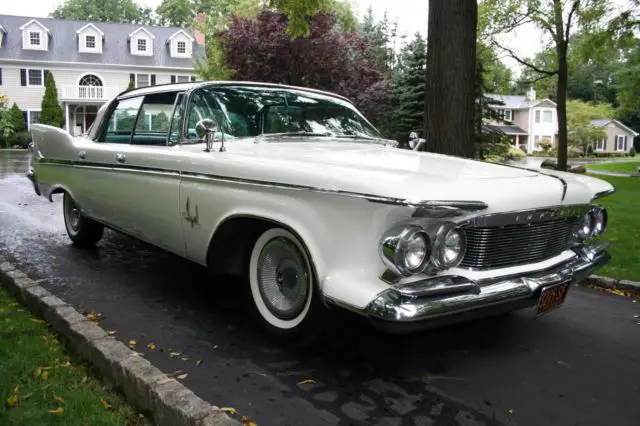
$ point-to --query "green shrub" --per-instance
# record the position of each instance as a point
(632, 152)
(20, 139)
(590, 150)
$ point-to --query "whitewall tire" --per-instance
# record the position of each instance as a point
(83, 231)
(282, 284)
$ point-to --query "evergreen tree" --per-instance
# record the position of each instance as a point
(17, 119)
(409, 89)
(132, 85)
(51, 112)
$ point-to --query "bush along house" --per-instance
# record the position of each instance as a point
(90, 62)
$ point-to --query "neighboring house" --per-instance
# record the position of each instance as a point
(90, 61)
(619, 137)
(527, 119)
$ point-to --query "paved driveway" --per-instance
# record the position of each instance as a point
(579, 365)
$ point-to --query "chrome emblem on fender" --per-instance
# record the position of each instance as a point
(193, 220)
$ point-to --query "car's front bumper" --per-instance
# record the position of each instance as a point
(449, 299)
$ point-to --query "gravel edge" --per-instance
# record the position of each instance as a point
(613, 284)
(145, 387)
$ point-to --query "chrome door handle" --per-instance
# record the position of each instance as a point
(120, 157)
(82, 155)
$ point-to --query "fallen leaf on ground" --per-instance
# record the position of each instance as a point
(151, 346)
(229, 410)
(58, 410)
(216, 347)
(307, 382)
(198, 362)
(37, 372)
(66, 363)
(132, 344)
(182, 376)
(510, 411)
(44, 375)
(59, 399)
(37, 321)
(93, 316)
(246, 421)
(174, 374)
(106, 404)
(12, 400)
(111, 332)
(184, 358)
(174, 354)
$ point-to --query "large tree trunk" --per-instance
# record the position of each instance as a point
(451, 67)
(563, 78)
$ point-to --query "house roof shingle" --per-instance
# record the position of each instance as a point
(63, 44)
(601, 122)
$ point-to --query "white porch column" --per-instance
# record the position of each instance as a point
(66, 115)
(517, 141)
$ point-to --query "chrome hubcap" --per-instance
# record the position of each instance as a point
(283, 279)
(73, 215)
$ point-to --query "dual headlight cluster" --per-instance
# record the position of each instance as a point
(593, 223)
(410, 249)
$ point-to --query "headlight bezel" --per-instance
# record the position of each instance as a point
(599, 225)
(438, 258)
(395, 244)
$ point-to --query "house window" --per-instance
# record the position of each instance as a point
(143, 80)
(33, 116)
(537, 116)
(90, 42)
(142, 45)
(182, 78)
(34, 38)
(620, 142)
(508, 115)
(35, 77)
(600, 145)
(547, 116)
(182, 47)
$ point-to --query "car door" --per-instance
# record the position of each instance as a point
(142, 183)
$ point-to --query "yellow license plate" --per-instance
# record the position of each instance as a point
(552, 297)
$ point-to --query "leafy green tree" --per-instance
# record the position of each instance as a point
(17, 118)
(380, 38)
(557, 19)
(51, 112)
(582, 133)
(409, 89)
(176, 13)
(118, 11)
(496, 76)
(627, 83)
(131, 85)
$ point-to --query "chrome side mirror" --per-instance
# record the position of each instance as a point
(206, 129)
(415, 142)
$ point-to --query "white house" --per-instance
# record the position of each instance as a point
(90, 61)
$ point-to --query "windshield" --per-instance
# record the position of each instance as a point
(249, 111)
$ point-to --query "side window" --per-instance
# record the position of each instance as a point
(176, 120)
(122, 120)
(203, 105)
(152, 127)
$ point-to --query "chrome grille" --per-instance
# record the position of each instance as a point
(516, 244)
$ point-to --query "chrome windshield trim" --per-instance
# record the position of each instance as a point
(528, 216)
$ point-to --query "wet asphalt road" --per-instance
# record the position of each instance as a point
(579, 365)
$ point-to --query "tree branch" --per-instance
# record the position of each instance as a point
(535, 80)
(574, 8)
(525, 63)
(542, 22)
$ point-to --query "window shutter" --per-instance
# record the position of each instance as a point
(173, 78)
(193, 78)
(23, 77)
(605, 144)
(44, 75)
(132, 79)
(153, 79)
(626, 137)
(0, 76)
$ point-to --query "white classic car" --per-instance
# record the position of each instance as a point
(294, 190)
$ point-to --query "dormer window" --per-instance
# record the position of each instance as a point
(180, 44)
(35, 36)
(141, 42)
(90, 39)
(142, 45)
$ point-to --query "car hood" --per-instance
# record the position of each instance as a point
(385, 171)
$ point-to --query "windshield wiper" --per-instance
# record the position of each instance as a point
(368, 138)
(289, 134)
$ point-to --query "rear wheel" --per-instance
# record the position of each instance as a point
(283, 286)
(83, 231)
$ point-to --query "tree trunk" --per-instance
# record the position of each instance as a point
(561, 89)
(451, 68)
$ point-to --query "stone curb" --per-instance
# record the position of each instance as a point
(611, 283)
(145, 387)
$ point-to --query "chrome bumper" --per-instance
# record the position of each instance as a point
(449, 299)
(31, 174)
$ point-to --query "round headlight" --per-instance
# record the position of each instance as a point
(406, 249)
(586, 226)
(600, 221)
(450, 246)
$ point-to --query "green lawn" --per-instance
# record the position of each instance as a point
(620, 166)
(624, 228)
(40, 384)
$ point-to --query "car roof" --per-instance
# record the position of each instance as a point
(171, 87)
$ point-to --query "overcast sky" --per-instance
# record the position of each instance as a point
(411, 16)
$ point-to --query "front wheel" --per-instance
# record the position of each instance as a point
(282, 284)
(83, 231)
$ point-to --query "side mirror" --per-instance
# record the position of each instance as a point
(207, 128)
(414, 141)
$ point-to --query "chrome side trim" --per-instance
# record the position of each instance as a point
(540, 171)
(603, 194)
(528, 216)
(431, 204)
(446, 208)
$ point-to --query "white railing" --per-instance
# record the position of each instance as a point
(88, 92)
